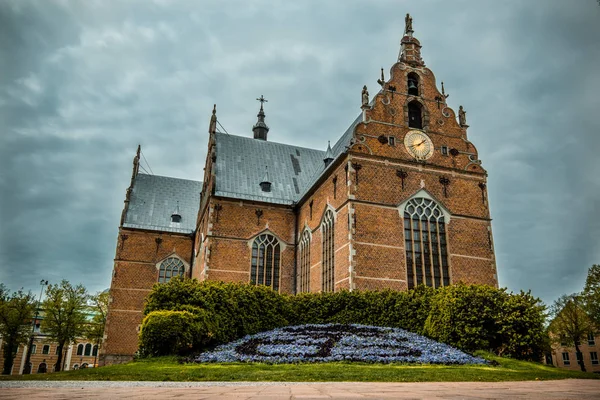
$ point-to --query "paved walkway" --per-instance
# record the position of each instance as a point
(562, 389)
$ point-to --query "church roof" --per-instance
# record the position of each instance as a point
(155, 198)
(241, 162)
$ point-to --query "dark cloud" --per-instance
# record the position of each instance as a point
(83, 83)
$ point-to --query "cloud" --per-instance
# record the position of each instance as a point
(83, 83)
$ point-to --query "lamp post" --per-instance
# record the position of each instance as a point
(27, 368)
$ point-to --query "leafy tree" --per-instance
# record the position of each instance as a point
(16, 312)
(65, 316)
(591, 294)
(570, 323)
(98, 305)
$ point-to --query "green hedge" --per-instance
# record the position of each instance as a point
(468, 317)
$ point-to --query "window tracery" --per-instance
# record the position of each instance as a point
(304, 275)
(169, 268)
(266, 254)
(425, 243)
(328, 260)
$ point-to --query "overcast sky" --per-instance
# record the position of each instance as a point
(83, 82)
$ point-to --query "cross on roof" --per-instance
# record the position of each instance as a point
(262, 100)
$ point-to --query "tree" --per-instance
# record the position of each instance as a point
(65, 315)
(16, 312)
(98, 305)
(570, 324)
(591, 294)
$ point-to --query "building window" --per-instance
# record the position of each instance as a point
(591, 339)
(56, 352)
(563, 340)
(265, 261)
(42, 368)
(413, 84)
(304, 250)
(594, 357)
(80, 350)
(444, 150)
(565, 357)
(328, 260)
(46, 349)
(169, 268)
(425, 242)
(95, 350)
(415, 115)
(33, 348)
(392, 140)
(88, 349)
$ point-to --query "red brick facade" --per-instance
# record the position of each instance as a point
(366, 188)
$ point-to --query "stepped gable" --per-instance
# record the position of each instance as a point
(155, 198)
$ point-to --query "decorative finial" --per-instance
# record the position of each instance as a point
(365, 96)
(444, 92)
(462, 117)
(408, 29)
(212, 127)
(382, 80)
(261, 129)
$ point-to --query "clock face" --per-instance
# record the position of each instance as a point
(418, 145)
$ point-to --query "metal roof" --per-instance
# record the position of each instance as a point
(154, 198)
(241, 162)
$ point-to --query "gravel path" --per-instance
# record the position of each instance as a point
(100, 390)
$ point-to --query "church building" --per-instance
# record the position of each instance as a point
(398, 201)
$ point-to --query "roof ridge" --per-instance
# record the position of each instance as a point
(270, 141)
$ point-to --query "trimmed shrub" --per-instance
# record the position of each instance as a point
(175, 332)
(478, 317)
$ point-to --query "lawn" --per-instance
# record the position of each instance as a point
(168, 369)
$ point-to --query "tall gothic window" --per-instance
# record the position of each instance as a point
(425, 242)
(304, 275)
(328, 252)
(169, 268)
(265, 261)
(415, 115)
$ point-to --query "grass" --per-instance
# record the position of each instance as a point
(168, 369)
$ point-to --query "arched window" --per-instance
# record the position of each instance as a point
(42, 368)
(88, 349)
(413, 84)
(265, 261)
(169, 268)
(95, 350)
(425, 242)
(328, 262)
(304, 275)
(80, 349)
(415, 115)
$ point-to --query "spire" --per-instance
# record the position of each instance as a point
(328, 155)
(261, 129)
(410, 47)
(265, 185)
(212, 128)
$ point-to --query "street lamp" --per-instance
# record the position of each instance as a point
(27, 368)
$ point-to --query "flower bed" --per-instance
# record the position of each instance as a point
(336, 342)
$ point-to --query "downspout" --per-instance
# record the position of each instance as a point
(295, 249)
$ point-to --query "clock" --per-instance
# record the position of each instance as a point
(418, 145)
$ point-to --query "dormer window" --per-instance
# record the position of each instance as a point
(413, 84)
(176, 218)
